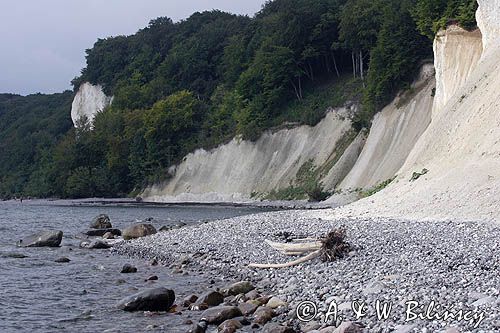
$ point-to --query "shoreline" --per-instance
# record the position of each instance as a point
(279, 205)
(392, 259)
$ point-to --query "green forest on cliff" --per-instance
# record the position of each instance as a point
(201, 81)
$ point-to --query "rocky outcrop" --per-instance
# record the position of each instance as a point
(88, 101)
(42, 239)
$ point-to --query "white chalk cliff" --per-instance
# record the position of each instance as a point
(89, 100)
(393, 134)
(461, 145)
(232, 172)
(455, 135)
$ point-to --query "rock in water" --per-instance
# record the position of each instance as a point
(44, 238)
(138, 230)
(95, 244)
(102, 232)
(157, 299)
(62, 260)
(127, 268)
(101, 222)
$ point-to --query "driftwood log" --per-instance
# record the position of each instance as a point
(329, 248)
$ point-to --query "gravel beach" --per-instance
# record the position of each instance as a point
(443, 266)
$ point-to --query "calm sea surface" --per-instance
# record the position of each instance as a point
(39, 295)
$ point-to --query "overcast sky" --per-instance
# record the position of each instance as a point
(42, 42)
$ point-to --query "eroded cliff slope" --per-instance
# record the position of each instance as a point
(460, 148)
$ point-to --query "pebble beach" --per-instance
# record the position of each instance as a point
(436, 276)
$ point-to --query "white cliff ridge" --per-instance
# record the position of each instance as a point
(88, 101)
(460, 147)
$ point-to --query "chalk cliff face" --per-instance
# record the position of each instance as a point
(488, 21)
(460, 147)
(456, 53)
(235, 170)
(88, 101)
(393, 134)
(456, 136)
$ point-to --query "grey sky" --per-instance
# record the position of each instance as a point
(43, 41)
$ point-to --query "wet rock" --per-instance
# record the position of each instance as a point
(173, 226)
(240, 298)
(241, 287)
(101, 221)
(45, 238)
(253, 294)
(211, 298)
(102, 232)
(229, 326)
(189, 300)
(198, 307)
(108, 235)
(95, 244)
(263, 314)
(276, 328)
(99, 244)
(152, 278)
(254, 302)
(275, 302)
(219, 314)
(14, 255)
(62, 260)
(138, 230)
(201, 327)
(247, 308)
(127, 268)
(157, 299)
(263, 299)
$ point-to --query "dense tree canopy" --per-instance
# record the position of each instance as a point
(201, 81)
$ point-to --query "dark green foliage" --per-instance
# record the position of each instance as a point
(433, 15)
(394, 60)
(30, 127)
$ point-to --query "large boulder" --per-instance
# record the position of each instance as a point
(211, 298)
(157, 299)
(241, 287)
(101, 222)
(138, 230)
(220, 314)
(102, 232)
(44, 238)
